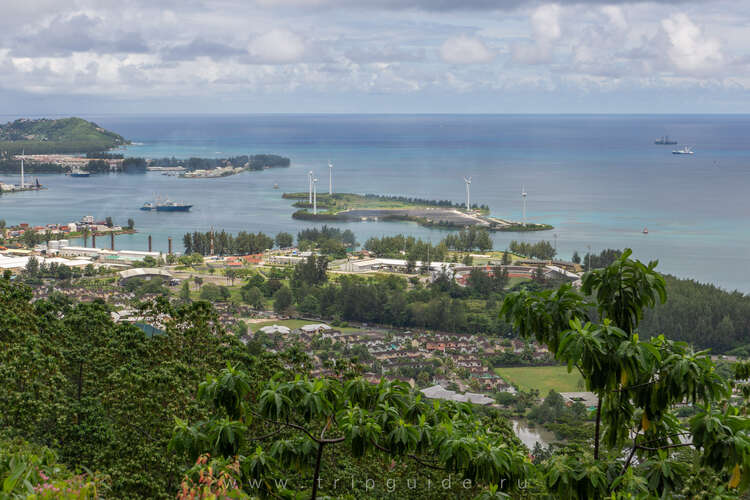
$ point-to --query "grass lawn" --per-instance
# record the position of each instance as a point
(543, 378)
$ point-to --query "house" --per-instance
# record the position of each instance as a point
(271, 329)
(438, 392)
(589, 399)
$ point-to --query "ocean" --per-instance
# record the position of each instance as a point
(599, 179)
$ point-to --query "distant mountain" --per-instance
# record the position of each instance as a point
(66, 135)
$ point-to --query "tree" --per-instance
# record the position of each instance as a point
(483, 241)
(108, 221)
(284, 240)
(231, 274)
(131, 224)
(252, 295)
(637, 383)
(282, 299)
(185, 291)
(576, 258)
(310, 416)
(105, 395)
(313, 271)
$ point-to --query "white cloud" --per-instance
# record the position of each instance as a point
(277, 47)
(545, 25)
(545, 22)
(465, 50)
(689, 49)
(616, 17)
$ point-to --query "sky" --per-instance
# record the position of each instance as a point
(374, 56)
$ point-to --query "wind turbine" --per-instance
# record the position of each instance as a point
(523, 195)
(330, 178)
(310, 182)
(23, 155)
(467, 180)
(315, 196)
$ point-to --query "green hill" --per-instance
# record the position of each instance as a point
(66, 135)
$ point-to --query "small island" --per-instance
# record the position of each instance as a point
(431, 213)
(222, 167)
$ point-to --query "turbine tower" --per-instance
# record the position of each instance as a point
(23, 154)
(310, 182)
(330, 178)
(315, 196)
(467, 180)
(523, 195)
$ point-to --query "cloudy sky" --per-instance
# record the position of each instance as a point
(503, 56)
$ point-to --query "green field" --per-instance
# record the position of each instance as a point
(543, 378)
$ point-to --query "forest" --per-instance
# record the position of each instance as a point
(65, 135)
(94, 408)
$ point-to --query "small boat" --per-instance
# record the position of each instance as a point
(147, 206)
(276, 186)
(684, 151)
(77, 172)
(645, 230)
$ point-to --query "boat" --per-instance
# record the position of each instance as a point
(276, 186)
(684, 151)
(166, 206)
(663, 140)
(77, 172)
(645, 230)
(172, 206)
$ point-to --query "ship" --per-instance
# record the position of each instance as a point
(77, 172)
(166, 206)
(684, 151)
(664, 140)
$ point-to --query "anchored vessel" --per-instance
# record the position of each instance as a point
(684, 151)
(77, 172)
(166, 206)
(665, 140)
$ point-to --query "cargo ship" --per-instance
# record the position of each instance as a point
(166, 206)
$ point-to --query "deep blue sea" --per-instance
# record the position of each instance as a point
(599, 179)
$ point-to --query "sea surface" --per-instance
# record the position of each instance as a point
(599, 179)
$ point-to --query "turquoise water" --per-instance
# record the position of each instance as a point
(598, 179)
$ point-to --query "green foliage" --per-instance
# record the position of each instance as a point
(32, 472)
(282, 299)
(638, 384)
(223, 243)
(542, 250)
(284, 240)
(214, 293)
(103, 394)
(66, 135)
(311, 416)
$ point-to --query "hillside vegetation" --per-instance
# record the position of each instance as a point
(65, 135)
